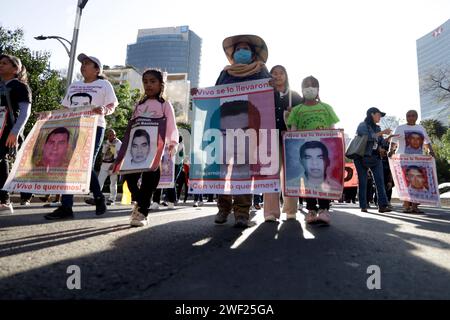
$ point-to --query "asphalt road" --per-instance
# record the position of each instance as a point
(183, 255)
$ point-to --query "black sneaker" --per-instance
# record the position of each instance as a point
(384, 209)
(60, 213)
(90, 201)
(100, 206)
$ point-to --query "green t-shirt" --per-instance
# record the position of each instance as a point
(319, 116)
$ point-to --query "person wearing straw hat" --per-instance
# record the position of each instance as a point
(247, 55)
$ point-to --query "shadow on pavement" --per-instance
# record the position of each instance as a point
(195, 259)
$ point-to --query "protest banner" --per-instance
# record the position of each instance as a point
(234, 145)
(56, 157)
(350, 175)
(143, 145)
(314, 162)
(415, 178)
(167, 177)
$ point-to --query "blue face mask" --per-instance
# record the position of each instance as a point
(242, 56)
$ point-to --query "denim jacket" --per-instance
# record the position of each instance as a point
(365, 130)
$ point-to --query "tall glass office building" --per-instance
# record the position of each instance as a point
(173, 49)
(433, 53)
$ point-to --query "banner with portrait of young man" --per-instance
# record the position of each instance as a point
(314, 163)
(56, 157)
(142, 146)
(234, 144)
(415, 178)
(167, 177)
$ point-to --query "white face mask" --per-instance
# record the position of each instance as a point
(310, 93)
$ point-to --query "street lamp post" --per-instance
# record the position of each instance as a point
(73, 48)
(73, 45)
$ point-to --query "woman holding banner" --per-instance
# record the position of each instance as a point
(285, 99)
(98, 92)
(247, 55)
(372, 160)
(154, 104)
(15, 104)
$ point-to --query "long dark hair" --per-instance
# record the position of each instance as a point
(285, 72)
(21, 74)
(369, 120)
(158, 74)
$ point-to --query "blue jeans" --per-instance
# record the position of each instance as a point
(67, 199)
(377, 172)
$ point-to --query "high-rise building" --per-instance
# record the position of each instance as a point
(173, 50)
(433, 54)
(121, 74)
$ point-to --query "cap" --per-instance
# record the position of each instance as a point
(375, 110)
(83, 56)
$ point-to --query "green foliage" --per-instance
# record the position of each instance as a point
(441, 149)
(127, 98)
(434, 128)
(184, 125)
(46, 85)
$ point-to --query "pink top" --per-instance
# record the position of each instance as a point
(154, 109)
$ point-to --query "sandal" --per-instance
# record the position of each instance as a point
(417, 210)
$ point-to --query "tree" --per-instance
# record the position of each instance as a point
(46, 85)
(127, 98)
(434, 128)
(390, 122)
(437, 83)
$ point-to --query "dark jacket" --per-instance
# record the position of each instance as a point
(366, 130)
(282, 104)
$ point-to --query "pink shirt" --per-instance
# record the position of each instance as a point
(154, 109)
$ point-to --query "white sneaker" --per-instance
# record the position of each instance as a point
(195, 204)
(6, 208)
(137, 219)
(154, 206)
(171, 205)
(200, 203)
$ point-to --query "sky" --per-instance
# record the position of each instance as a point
(362, 52)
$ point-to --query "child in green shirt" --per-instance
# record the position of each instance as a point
(313, 114)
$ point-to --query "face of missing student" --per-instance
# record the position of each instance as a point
(415, 141)
(237, 121)
(416, 179)
(314, 163)
(55, 150)
(140, 148)
(78, 101)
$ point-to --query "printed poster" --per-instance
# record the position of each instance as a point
(56, 157)
(142, 147)
(167, 178)
(234, 146)
(314, 162)
(350, 175)
(415, 178)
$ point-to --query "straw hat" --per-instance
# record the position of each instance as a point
(255, 41)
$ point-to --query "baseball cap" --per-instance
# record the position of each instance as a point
(375, 110)
(83, 56)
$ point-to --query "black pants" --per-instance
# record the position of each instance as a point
(142, 195)
(180, 182)
(4, 170)
(311, 204)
